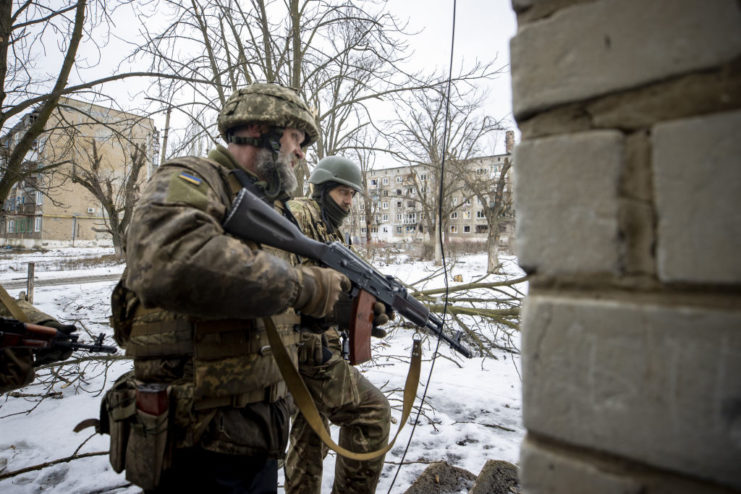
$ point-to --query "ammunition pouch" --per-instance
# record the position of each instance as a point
(124, 304)
(139, 433)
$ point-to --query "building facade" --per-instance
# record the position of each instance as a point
(402, 203)
(49, 207)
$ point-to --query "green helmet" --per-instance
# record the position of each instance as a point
(269, 104)
(337, 169)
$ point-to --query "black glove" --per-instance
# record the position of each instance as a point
(56, 353)
(381, 316)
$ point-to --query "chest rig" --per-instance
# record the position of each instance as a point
(228, 362)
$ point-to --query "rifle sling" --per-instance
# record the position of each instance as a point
(12, 305)
(306, 405)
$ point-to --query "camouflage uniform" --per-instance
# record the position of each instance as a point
(201, 295)
(342, 395)
(16, 365)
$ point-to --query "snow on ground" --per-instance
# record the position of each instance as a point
(472, 411)
(56, 263)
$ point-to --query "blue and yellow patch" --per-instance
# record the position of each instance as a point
(190, 178)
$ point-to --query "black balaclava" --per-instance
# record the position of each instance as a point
(332, 213)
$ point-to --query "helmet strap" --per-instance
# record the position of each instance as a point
(269, 140)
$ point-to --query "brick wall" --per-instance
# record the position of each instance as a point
(628, 193)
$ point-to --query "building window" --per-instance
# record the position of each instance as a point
(363, 230)
(37, 224)
(385, 205)
(411, 218)
(480, 214)
(398, 229)
(467, 202)
(385, 218)
(385, 180)
(454, 215)
(398, 192)
(398, 179)
(39, 198)
(385, 193)
(398, 204)
(467, 215)
(398, 217)
(374, 182)
(455, 201)
(423, 177)
(410, 204)
(481, 228)
(385, 229)
(11, 226)
(466, 229)
(453, 228)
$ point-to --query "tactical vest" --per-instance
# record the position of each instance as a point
(228, 362)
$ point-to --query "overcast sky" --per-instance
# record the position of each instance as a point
(483, 31)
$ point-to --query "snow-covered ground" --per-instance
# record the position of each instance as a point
(472, 412)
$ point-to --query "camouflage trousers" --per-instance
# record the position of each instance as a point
(347, 399)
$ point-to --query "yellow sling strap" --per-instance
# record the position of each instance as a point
(306, 404)
(12, 305)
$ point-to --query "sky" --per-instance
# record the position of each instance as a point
(482, 32)
(483, 29)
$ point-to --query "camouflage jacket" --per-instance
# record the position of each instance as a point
(202, 295)
(309, 216)
(16, 365)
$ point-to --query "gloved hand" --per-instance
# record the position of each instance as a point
(56, 353)
(319, 291)
(381, 317)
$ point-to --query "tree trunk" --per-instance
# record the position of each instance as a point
(492, 248)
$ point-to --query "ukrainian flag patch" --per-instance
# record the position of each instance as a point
(190, 178)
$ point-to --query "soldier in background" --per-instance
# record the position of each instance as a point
(342, 395)
(17, 364)
(202, 298)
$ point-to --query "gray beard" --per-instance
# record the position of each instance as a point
(270, 170)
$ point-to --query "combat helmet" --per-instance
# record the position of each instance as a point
(270, 104)
(337, 169)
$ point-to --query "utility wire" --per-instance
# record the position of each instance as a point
(442, 248)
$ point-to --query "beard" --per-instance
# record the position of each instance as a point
(278, 170)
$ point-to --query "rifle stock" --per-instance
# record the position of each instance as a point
(250, 218)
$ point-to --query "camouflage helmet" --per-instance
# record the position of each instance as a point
(269, 104)
(337, 169)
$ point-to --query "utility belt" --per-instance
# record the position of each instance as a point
(233, 367)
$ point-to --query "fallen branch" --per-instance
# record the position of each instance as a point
(41, 466)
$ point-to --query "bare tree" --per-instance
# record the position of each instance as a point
(490, 185)
(117, 189)
(418, 139)
(342, 57)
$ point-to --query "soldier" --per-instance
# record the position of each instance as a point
(203, 298)
(16, 364)
(342, 394)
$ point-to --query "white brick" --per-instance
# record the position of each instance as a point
(546, 472)
(566, 202)
(658, 384)
(604, 46)
(697, 179)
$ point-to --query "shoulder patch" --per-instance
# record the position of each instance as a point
(189, 189)
(190, 178)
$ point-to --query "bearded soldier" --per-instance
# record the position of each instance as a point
(341, 393)
(202, 302)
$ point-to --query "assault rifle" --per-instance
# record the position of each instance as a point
(253, 219)
(17, 334)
